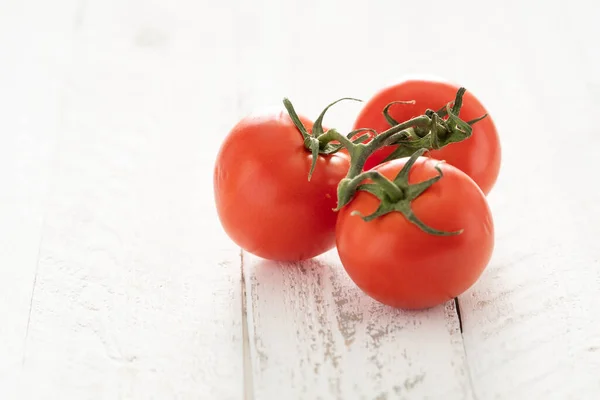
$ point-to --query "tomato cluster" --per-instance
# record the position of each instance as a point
(412, 230)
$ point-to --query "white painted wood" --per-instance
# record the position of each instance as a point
(33, 61)
(138, 292)
(110, 115)
(315, 335)
(531, 325)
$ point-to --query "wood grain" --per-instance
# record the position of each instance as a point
(117, 281)
(530, 326)
(314, 335)
(138, 293)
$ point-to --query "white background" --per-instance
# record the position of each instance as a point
(117, 281)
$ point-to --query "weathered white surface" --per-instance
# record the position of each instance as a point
(313, 334)
(106, 191)
(33, 59)
(531, 325)
(138, 293)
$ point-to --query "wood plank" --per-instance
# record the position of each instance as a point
(314, 335)
(138, 293)
(531, 325)
(32, 70)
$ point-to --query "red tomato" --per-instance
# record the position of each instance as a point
(398, 264)
(264, 199)
(479, 156)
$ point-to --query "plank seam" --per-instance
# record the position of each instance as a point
(247, 362)
(48, 192)
(457, 306)
(462, 336)
(37, 269)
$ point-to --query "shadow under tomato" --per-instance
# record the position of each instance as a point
(312, 272)
(318, 296)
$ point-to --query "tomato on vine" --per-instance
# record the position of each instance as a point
(478, 156)
(280, 178)
(275, 189)
(416, 233)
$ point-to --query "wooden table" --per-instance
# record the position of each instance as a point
(117, 281)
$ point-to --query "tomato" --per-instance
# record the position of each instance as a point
(478, 156)
(265, 202)
(398, 264)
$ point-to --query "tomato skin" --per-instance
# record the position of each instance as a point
(479, 156)
(264, 200)
(398, 264)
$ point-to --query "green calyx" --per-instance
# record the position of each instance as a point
(397, 195)
(317, 141)
(431, 131)
(438, 133)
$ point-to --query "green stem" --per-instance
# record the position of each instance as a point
(317, 129)
(295, 119)
(311, 142)
(402, 136)
(394, 192)
(359, 152)
(426, 132)
(358, 155)
(397, 195)
(411, 138)
(420, 121)
(333, 135)
(386, 111)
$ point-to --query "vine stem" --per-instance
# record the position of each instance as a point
(425, 132)
(360, 152)
(397, 195)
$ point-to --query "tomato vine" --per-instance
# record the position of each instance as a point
(429, 131)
